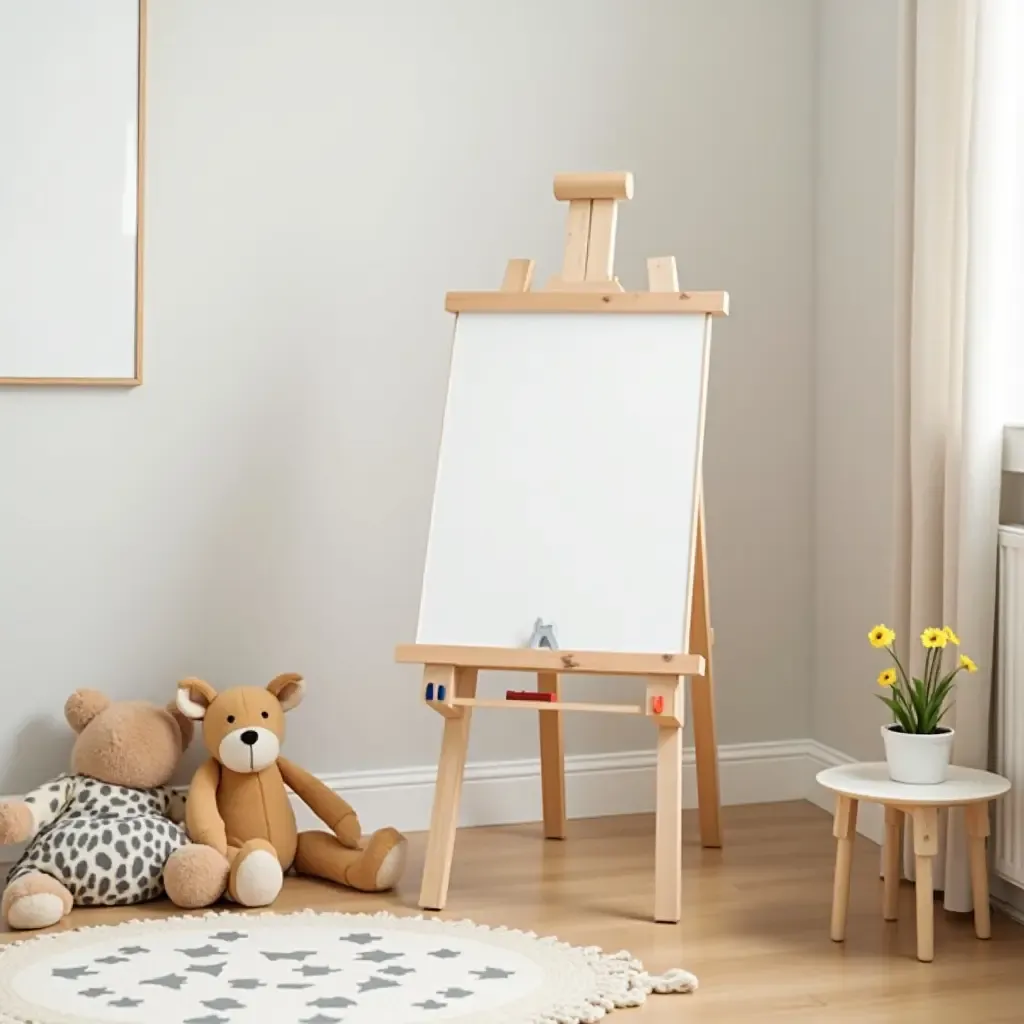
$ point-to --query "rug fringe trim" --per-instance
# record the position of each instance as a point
(621, 980)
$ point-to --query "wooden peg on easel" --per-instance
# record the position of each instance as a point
(589, 263)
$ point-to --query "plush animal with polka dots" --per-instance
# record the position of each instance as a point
(238, 802)
(109, 832)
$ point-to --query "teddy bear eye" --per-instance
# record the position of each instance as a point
(231, 718)
(266, 714)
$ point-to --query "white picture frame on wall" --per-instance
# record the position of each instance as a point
(72, 121)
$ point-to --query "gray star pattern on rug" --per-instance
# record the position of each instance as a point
(229, 936)
(360, 938)
(371, 983)
(212, 969)
(313, 971)
(397, 970)
(95, 993)
(430, 1004)
(378, 956)
(125, 1003)
(455, 993)
(72, 973)
(223, 1003)
(248, 983)
(132, 950)
(299, 954)
(332, 1002)
(112, 960)
(211, 1018)
(294, 984)
(174, 981)
(206, 950)
(319, 1019)
(445, 954)
(492, 974)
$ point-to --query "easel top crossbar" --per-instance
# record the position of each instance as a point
(514, 659)
(710, 303)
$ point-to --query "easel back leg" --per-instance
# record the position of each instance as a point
(552, 760)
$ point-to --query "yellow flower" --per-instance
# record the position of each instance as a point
(887, 678)
(951, 636)
(966, 663)
(881, 636)
(933, 637)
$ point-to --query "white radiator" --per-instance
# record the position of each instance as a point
(1008, 831)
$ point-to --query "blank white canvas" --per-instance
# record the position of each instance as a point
(566, 481)
(68, 171)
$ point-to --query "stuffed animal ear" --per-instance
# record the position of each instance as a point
(185, 726)
(83, 706)
(194, 697)
(289, 689)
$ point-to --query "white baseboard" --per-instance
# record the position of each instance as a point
(508, 792)
(597, 785)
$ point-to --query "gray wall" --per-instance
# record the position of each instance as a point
(319, 174)
(862, 215)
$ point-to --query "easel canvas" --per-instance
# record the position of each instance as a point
(569, 493)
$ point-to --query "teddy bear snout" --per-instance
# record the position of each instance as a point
(249, 749)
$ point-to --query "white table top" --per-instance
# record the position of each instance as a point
(871, 782)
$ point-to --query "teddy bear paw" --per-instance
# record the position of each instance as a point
(35, 901)
(17, 822)
(256, 876)
(195, 876)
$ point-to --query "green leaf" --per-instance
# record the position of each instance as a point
(899, 713)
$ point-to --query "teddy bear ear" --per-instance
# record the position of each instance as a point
(289, 689)
(185, 725)
(194, 697)
(83, 706)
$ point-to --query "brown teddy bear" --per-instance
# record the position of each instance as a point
(107, 833)
(239, 806)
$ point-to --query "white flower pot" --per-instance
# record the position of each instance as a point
(916, 759)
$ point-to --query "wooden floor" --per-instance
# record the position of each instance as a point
(755, 929)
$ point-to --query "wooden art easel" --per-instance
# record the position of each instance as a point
(586, 284)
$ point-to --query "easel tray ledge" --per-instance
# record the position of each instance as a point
(710, 303)
(515, 659)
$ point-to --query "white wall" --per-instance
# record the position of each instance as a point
(860, 266)
(319, 174)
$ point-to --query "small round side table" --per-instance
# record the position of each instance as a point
(969, 788)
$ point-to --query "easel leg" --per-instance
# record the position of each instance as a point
(552, 760)
(668, 827)
(444, 818)
(702, 699)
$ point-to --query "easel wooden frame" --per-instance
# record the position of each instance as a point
(585, 284)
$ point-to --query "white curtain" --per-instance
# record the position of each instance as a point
(959, 366)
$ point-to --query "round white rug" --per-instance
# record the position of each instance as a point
(310, 968)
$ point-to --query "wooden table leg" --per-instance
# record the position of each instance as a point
(891, 862)
(977, 833)
(444, 818)
(552, 761)
(668, 822)
(926, 846)
(844, 828)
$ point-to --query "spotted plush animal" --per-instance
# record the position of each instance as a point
(108, 832)
(107, 845)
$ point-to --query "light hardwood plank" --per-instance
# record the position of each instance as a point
(755, 926)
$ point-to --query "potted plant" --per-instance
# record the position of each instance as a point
(917, 746)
